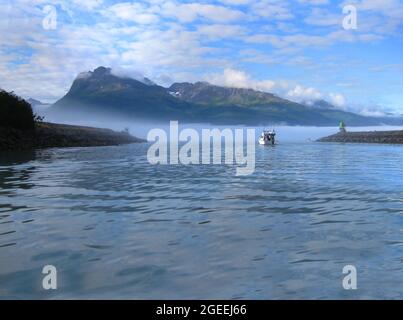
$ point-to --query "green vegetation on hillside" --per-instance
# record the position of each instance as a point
(15, 112)
(102, 94)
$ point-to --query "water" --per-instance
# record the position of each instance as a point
(117, 227)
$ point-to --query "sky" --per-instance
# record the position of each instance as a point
(303, 50)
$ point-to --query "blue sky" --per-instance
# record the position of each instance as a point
(297, 49)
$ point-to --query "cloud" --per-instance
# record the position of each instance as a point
(189, 39)
(237, 2)
(88, 4)
(369, 112)
(322, 17)
(380, 16)
(220, 31)
(174, 48)
(295, 92)
(338, 100)
(190, 12)
(278, 10)
(239, 79)
(301, 40)
(302, 94)
(135, 12)
(309, 95)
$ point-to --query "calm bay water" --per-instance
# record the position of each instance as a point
(117, 227)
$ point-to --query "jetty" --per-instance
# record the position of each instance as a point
(388, 137)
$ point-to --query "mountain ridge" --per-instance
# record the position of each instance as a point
(102, 92)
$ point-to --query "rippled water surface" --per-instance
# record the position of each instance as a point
(117, 227)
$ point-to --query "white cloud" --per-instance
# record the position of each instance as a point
(239, 79)
(321, 17)
(220, 31)
(135, 12)
(190, 12)
(174, 48)
(237, 2)
(234, 78)
(380, 16)
(303, 94)
(338, 100)
(88, 4)
(300, 41)
(272, 9)
(309, 95)
(185, 39)
(368, 112)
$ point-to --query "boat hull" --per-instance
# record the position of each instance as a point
(265, 142)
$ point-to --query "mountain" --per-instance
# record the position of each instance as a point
(102, 93)
(262, 105)
(34, 102)
(207, 94)
(147, 81)
(321, 105)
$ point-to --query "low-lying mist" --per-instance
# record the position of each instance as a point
(140, 128)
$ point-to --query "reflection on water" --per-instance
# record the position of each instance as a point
(8, 158)
(117, 227)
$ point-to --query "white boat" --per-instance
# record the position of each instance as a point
(267, 137)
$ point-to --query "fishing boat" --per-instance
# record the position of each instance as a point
(267, 137)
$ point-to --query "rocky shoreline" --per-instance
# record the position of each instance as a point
(51, 135)
(388, 137)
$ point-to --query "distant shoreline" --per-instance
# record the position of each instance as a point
(51, 135)
(386, 137)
